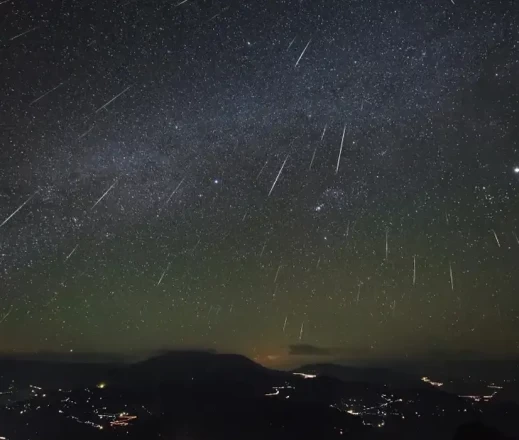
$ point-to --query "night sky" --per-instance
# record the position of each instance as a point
(335, 176)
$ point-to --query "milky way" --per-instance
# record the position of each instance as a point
(226, 174)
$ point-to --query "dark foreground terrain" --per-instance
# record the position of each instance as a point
(200, 395)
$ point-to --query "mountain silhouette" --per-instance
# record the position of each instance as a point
(194, 366)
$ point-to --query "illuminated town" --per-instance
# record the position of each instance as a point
(121, 409)
(433, 383)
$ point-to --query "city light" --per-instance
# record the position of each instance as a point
(306, 376)
(275, 393)
(429, 381)
(476, 398)
(93, 408)
(123, 420)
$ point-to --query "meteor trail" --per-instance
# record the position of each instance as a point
(340, 151)
(17, 209)
(163, 273)
(112, 100)
(104, 195)
(46, 93)
(72, 252)
(219, 13)
(302, 53)
(315, 150)
(497, 239)
(324, 131)
(6, 315)
(277, 273)
(414, 270)
(313, 157)
(175, 190)
(263, 249)
(262, 168)
(196, 246)
(23, 33)
(387, 247)
(277, 177)
(86, 132)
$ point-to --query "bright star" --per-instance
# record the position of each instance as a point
(516, 170)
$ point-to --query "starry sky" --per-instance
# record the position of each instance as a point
(330, 176)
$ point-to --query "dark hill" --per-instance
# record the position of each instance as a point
(192, 366)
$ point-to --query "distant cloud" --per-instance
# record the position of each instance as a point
(308, 350)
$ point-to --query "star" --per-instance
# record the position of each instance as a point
(112, 211)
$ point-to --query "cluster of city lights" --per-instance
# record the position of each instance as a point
(431, 382)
